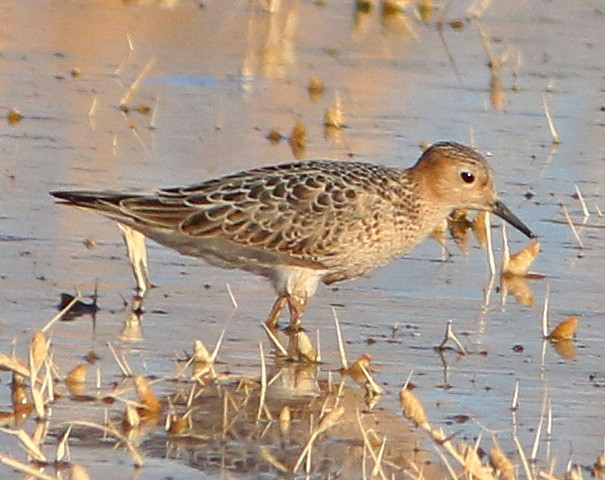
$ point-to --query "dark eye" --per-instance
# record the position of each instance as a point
(467, 177)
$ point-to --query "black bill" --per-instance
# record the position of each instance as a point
(504, 213)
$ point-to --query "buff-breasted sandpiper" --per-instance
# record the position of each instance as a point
(302, 222)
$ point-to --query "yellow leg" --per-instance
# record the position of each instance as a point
(275, 312)
(297, 307)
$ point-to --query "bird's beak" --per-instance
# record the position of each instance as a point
(498, 208)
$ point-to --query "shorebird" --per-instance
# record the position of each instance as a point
(304, 222)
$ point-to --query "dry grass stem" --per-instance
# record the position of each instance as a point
(490, 248)
(39, 348)
(536, 445)
(528, 472)
(263, 382)
(330, 419)
(582, 202)
(62, 313)
(137, 83)
(154, 115)
(574, 472)
(450, 335)
(14, 364)
(441, 439)
(31, 447)
(122, 364)
(275, 341)
(51, 368)
(571, 225)
(40, 433)
(36, 392)
(148, 399)
(217, 346)
(108, 430)
(453, 474)
(515, 401)
(93, 108)
(551, 126)
(548, 476)
(341, 346)
(378, 463)
(545, 313)
(24, 468)
(63, 447)
(226, 425)
(327, 421)
(266, 455)
(549, 420)
(131, 418)
(232, 298)
(373, 388)
(505, 248)
(130, 44)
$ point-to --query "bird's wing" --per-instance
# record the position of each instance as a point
(301, 210)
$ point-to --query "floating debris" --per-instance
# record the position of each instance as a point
(14, 117)
(274, 137)
(456, 24)
(316, 88)
(298, 140)
(150, 402)
(335, 116)
(78, 375)
(364, 6)
(519, 263)
(566, 330)
(78, 307)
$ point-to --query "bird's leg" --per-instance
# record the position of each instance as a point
(297, 307)
(275, 311)
(137, 253)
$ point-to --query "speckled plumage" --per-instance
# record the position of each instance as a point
(302, 222)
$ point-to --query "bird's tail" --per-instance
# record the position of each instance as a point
(90, 198)
(106, 203)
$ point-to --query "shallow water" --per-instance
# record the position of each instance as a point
(221, 76)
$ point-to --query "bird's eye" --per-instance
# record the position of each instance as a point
(467, 177)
